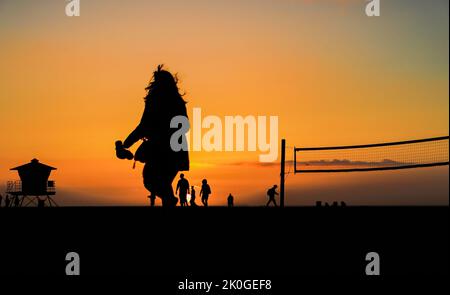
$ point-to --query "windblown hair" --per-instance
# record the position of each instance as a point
(163, 88)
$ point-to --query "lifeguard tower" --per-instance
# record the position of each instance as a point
(33, 188)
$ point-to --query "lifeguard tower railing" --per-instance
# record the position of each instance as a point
(14, 187)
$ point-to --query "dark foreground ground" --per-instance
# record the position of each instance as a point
(223, 243)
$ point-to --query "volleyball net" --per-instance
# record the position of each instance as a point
(427, 152)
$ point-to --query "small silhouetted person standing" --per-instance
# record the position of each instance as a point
(183, 189)
(193, 197)
(271, 193)
(230, 200)
(205, 192)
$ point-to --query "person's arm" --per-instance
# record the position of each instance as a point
(178, 186)
(137, 133)
(133, 137)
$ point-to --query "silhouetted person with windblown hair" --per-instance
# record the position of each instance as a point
(163, 102)
(183, 189)
(205, 192)
(271, 193)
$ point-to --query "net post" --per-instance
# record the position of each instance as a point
(283, 158)
(295, 161)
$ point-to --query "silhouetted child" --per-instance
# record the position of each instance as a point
(205, 192)
(230, 200)
(193, 197)
(183, 188)
(271, 193)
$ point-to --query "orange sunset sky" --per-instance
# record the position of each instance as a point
(71, 86)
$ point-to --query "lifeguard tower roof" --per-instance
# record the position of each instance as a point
(34, 164)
